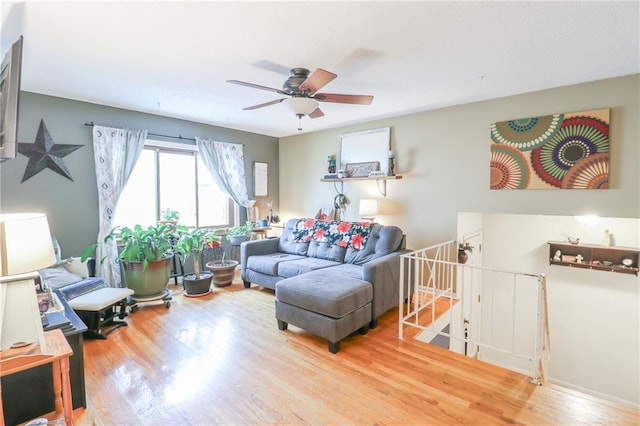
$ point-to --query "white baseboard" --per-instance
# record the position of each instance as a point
(594, 393)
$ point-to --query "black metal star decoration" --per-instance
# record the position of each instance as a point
(44, 154)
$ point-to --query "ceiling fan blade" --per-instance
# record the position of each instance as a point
(316, 113)
(272, 66)
(343, 99)
(317, 80)
(256, 86)
(277, 101)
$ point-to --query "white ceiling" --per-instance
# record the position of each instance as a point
(173, 58)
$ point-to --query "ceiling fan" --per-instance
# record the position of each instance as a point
(302, 91)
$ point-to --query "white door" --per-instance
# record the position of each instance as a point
(472, 284)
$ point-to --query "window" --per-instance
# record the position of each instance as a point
(169, 177)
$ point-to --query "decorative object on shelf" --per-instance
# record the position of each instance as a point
(361, 169)
(571, 239)
(392, 165)
(464, 249)
(332, 164)
(606, 239)
(341, 174)
(43, 153)
(559, 151)
(192, 243)
(623, 260)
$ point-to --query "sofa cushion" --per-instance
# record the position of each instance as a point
(326, 251)
(382, 241)
(325, 292)
(297, 267)
(268, 263)
(58, 277)
(289, 243)
(350, 270)
(99, 299)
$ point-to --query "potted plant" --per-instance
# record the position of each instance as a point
(240, 233)
(463, 249)
(192, 243)
(170, 216)
(223, 271)
(145, 255)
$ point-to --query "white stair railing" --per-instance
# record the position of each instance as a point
(497, 316)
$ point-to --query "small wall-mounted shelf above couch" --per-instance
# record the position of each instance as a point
(378, 179)
(622, 260)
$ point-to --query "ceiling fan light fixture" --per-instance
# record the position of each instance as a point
(300, 105)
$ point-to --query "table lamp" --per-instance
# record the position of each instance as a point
(25, 247)
(368, 209)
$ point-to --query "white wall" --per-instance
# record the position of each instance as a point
(444, 157)
(594, 316)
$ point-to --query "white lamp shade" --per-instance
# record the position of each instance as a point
(25, 243)
(368, 208)
(300, 105)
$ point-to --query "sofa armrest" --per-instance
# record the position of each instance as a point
(256, 248)
(384, 274)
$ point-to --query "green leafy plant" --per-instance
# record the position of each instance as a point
(193, 242)
(236, 231)
(170, 215)
(464, 246)
(140, 244)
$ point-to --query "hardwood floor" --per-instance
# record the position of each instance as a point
(221, 359)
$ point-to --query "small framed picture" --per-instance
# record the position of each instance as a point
(260, 179)
(362, 169)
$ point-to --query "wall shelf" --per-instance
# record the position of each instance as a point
(378, 179)
(596, 257)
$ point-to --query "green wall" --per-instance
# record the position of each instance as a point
(71, 207)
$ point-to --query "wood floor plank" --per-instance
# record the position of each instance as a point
(220, 359)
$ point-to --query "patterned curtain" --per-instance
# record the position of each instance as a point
(225, 162)
(115, 153)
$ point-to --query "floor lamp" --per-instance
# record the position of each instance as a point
(25, 248)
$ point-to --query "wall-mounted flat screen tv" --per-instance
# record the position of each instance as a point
(9, 99)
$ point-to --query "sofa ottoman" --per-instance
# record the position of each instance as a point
(330, 308)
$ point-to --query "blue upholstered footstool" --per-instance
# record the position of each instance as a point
(332, 309)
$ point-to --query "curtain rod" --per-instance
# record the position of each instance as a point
(155, 134)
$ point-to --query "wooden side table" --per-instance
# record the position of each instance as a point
(58, 353)
(260, 233)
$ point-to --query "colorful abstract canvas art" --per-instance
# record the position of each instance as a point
(559, 151)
